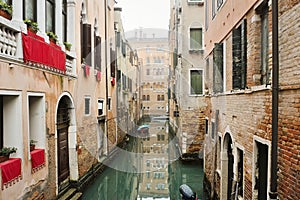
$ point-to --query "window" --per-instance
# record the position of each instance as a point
(206, 126)
(239, 56)
(147, 71)
(148, 97)
(265, 72)
(87, 105)
(158, 97)
(50, 15)
(213, 130)
(195, 38)
(218, 68)
(144, 97)
(240, 167)
(29, 11)
(213, 8)
(109, 103)
(97, 49)
(100, 107)
(64, 20)
(162, 97)
(219, 3)
(196, 80)
(261, 170)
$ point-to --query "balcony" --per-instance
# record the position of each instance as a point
(22, 46)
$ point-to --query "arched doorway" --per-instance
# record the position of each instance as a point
(63, 123)
(227, 167)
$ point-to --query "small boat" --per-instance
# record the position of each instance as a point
(187, 193)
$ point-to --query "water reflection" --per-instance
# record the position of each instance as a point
(148, 168)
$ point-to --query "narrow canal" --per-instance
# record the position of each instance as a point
(147, 168)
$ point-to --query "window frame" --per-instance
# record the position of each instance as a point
(89, 106)
(52, 2)
(190, 38)
(190, 82)
(34, 10)
(99, 102)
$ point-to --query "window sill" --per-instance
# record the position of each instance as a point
(196, 51)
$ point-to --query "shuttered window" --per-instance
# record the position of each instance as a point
(239, 56)
(97, 52)
(196, 38)
(265, 72)
(218, 68)
(196, 82)
(86, 44)
(112, 63)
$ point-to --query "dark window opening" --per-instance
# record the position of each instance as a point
(64, 20)
(29, 10)
(86, 44)
(50, 16)
(240, 180)
(97, 51)
(87, 106)
(218, 68)
(239, 56)
(261, 171)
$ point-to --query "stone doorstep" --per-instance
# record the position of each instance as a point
(68, 194)
(76, 196)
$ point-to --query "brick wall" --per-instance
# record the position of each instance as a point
(289, 100)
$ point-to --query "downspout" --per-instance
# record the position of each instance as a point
(106, 78)
(275, 79)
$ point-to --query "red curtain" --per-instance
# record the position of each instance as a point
(37, 159)
(11, 171)
(36, 50)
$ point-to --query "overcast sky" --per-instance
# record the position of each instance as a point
(144, 13)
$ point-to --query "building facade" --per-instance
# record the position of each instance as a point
(152, 49)
(187, 93)
(238, 140)
(63, 100)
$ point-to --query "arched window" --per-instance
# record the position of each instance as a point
(158, 97)
(162, 98)
(148, 97)
(144, 97)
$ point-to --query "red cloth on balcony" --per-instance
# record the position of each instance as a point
(98, 76)
(36, 50)
(11, 171)
(37, 159)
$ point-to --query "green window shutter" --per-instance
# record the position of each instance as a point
(196, 82)
(195, 38)
(244, 54)
(236, 58)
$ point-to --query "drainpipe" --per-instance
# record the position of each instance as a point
(106, 78)
(275, 88)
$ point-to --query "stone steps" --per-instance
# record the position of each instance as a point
(71, 194)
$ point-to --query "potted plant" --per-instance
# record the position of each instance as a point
(5, 10)
(31, 25)
(52, 36)
(68, 45)
(32, 145)
(5, 152)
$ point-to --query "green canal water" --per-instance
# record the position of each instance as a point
(124, 178)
